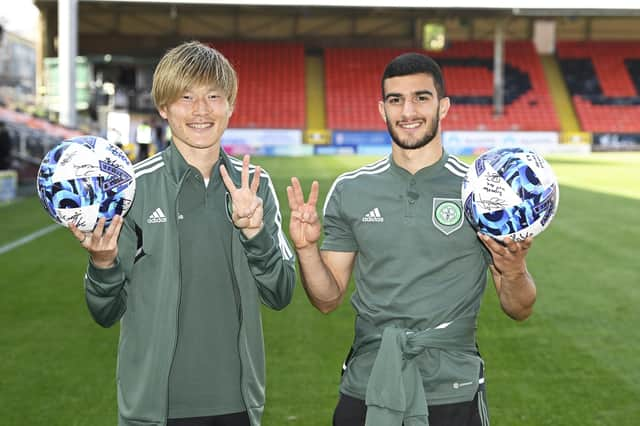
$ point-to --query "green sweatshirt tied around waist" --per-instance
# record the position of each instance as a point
(395, 393)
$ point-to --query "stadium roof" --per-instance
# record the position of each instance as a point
(575, 6)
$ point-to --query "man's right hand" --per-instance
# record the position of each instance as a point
(304, 226)
(102, 245)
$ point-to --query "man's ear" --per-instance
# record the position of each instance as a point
(162, 111)
(445, 104)
(381, 110)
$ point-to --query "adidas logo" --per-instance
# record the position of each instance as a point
(157, 216)
(373, 216)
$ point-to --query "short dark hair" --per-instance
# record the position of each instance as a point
(415, 63)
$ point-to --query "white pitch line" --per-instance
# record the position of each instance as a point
(24, 240)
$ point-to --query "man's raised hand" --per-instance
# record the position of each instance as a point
(304, 226)
(247, 213)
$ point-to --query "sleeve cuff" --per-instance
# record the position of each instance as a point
(260, 244)
(112, 275)
(346, 246)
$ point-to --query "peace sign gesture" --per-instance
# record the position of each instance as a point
(304, 227)
(247, 213)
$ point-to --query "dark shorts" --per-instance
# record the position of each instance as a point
(352, 411)
(234, 419)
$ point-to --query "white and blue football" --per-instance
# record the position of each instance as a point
(510, 192)
(83, 179)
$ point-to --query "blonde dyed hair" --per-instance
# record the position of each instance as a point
(189, 65)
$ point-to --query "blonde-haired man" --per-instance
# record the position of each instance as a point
(199, 250)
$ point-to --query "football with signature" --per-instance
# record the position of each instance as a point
(83, 179)
(510, 192)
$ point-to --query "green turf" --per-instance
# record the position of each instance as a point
(574, 362)
(21, 218)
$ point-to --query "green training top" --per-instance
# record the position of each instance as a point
(419, 265)
(205, 374)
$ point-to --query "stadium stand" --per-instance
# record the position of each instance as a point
(271, 91)
(31, 138)
(603, 78)
(352, 87)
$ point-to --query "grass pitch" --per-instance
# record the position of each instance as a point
(574, 362)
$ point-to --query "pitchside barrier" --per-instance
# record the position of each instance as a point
(616, 142)
(289, 142)
(8, 185)
(32, 143)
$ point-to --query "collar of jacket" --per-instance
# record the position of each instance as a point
(178, 166)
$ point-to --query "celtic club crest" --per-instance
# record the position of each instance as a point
(447, 214)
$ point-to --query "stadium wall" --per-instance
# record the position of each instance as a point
(287, 142)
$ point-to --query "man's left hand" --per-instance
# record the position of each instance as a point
(508, 257)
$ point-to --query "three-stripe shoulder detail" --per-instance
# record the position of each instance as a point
(371, 169)
(456, 166)
(149, 165)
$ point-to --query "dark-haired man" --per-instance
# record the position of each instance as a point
(420, 269)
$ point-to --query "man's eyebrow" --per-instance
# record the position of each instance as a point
(416, 93)
(424, 92)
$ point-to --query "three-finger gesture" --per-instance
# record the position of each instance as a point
(102, 245)
(246, 210)
(304, 226)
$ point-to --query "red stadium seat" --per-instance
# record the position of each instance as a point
(352, 83)
(615, 82)
(271, 92)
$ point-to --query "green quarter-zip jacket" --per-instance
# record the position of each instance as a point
(142, 290)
